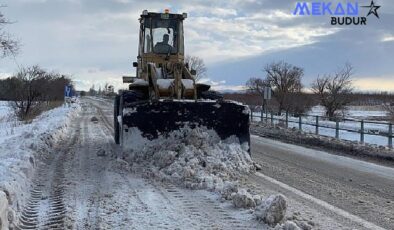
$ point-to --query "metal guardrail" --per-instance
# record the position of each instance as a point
(336, 125)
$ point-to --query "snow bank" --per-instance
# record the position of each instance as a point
(4, 109)
(8, 122)
(272, 210)
(21, 152)
(199, 159)
(288, 225)
(243, 199)
(3, 210)
(193, 158)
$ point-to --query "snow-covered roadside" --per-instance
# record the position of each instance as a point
(4, 109)
(20, 153)
(9, 123)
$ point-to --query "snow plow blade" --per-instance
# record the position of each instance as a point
(161, 117)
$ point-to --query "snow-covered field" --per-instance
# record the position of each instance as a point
(353, 112)
(22, 146)
(4, 109)
(7, 120)
(374, 133)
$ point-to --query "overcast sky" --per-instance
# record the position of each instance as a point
(96, 40)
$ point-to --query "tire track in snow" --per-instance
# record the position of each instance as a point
(45, 208)
(89, 173)
(206, 210)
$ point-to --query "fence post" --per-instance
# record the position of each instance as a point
(317, 125)
(272, 118)
(287, 120)
(390, 136)
(362, 132)
(261, 115)
(300, 122)
(337, 129)
(266, 116)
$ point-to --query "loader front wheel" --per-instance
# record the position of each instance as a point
(116, 123)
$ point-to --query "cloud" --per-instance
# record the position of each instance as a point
(74, 36)
(375, 83)
(229, 88)
(88, 77)
(209, 81)
(217, 39)
(5, 75)
(221, 85)
(388, 38)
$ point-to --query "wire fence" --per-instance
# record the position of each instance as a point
(363, 131)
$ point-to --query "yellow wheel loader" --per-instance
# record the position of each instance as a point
(164, 95)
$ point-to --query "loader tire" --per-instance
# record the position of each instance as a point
(131, 96)
(116, 123)
(126, 97)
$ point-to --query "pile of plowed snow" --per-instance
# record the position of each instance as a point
(194, 158)
(198, 159)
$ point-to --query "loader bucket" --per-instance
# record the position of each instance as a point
(157, 118)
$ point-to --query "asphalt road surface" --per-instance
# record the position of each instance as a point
(355, 190)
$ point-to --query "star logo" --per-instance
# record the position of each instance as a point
(373, 9)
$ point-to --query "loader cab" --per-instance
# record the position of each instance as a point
(161, 36)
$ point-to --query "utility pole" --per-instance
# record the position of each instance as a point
(267, 96)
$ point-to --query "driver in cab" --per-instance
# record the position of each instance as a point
(163, 47)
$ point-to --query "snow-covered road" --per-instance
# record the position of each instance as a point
(84, 187)
(358, 192)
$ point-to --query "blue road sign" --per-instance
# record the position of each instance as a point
(68, 91)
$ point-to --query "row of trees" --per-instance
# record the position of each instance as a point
(32, 89)
(333, 91)
(285, 80)
(108, 90)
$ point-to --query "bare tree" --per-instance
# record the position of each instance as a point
(25, 90)
(257, 85)
(8, 46)
(284, 79)
(198, 65)
(92, 91)
(299, 103)
(31, 89)
(334, 90)
(390, 110)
